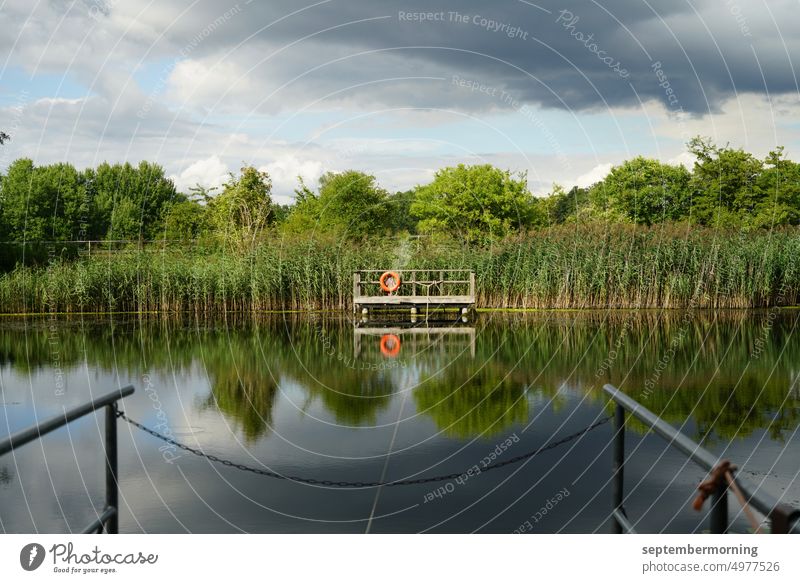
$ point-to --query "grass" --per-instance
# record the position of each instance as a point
(568, 267)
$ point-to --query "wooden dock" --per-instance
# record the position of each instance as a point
(417, 289)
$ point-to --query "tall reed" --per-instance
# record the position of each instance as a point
(586, 266)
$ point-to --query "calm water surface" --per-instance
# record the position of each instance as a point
(319, 397)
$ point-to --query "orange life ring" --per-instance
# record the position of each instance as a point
(395, 278)
(387, 349)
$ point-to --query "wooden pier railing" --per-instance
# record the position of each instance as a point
(428, 288)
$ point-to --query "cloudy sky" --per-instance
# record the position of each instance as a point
(561, 90)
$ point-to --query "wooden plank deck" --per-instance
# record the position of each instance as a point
(416, 300)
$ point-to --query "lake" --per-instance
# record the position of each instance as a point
(323, 397)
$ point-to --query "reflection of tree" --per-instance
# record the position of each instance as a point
(316, 354)
(692, 364)
(241, 388)
(727, 410)
(486, 404)
(250, 360)
(247, 360)
(714, 378)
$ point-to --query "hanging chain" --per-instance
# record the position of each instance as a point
(346, 484)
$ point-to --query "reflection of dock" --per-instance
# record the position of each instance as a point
(414, 337)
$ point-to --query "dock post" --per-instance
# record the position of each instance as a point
(472, 286)
(619, 463)
(356, 287)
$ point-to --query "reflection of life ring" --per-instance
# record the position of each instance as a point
(390, 345)
(393, 281)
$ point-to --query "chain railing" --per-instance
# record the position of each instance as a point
(346, 484)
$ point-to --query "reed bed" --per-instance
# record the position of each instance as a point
(579, 266)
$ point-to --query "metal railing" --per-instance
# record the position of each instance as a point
(108, 519)
(782, 517)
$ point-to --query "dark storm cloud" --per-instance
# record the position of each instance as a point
(580, 54)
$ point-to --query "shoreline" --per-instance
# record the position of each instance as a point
(347, 312)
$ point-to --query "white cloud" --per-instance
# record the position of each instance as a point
(594, 175)
(756, 123)
(204, 83)
(684, 159)
(284, 172)
(209, 173)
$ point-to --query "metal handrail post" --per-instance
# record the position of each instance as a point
(718, 517)
(112, 484)
(783, 518)
(619, 463)
(108, 519)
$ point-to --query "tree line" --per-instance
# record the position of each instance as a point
(726, 188)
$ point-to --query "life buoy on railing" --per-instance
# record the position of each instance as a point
(390, 281)
(390, 345)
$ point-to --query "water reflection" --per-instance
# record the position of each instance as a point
(388, 339)
(733, 373)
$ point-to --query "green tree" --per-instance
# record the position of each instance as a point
(474, 201)
(644, 191)
(125, 221)
(201, 193)
(17, 185)
(778, 192)
(184, 220)
(350, 204)
(63, 189)
(561, 206)
(282, 212)
(304, 214)
(42, 203)
(400, 216)
(142, 191)
(243, 210)
(723, 184)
